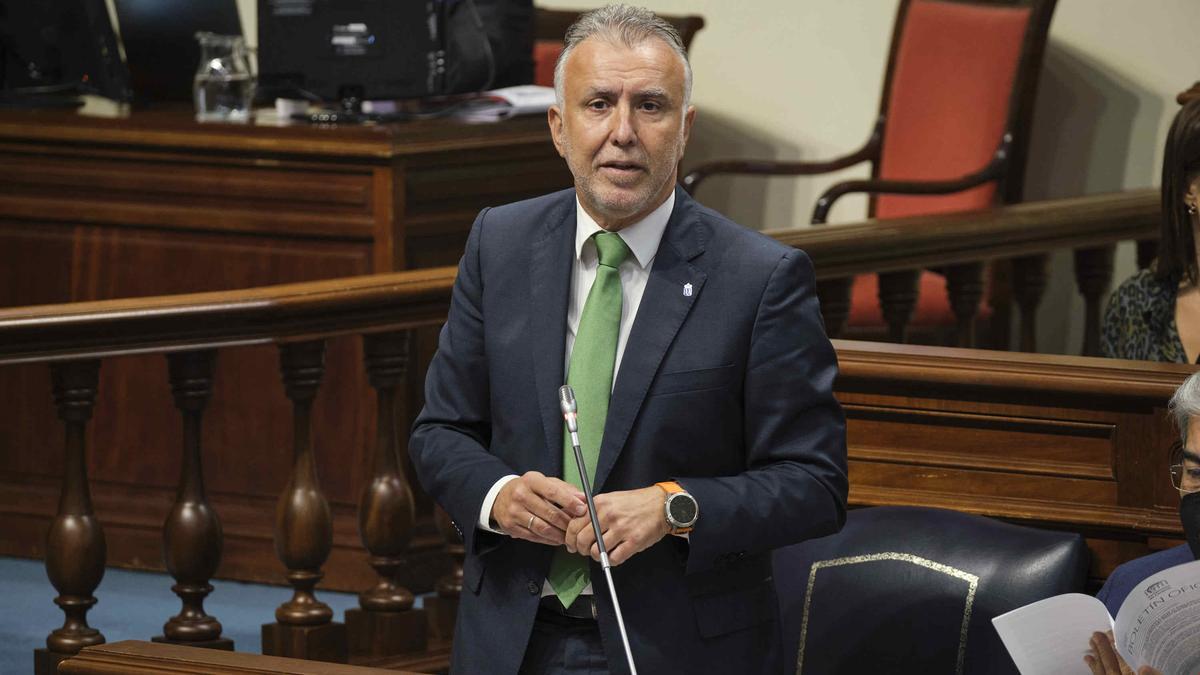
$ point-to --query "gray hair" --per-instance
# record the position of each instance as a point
(1185, 404)
(626, 25)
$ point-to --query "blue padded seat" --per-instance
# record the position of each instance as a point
(914, 590)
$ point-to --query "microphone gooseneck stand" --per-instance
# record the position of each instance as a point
(566, 400)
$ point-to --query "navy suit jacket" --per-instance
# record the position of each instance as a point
(726, 389)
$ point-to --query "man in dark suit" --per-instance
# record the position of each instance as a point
(704, 380)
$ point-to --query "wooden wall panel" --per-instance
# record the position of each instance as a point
(1071, 443)
(1022, 445)
(458, 182)
(291, 186)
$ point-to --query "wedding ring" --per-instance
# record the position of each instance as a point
(530, 525)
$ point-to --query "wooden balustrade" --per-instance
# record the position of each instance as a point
(192, 538)
(75, 338)
(75, 546)
(303, 626)
(1030, 275)
(1093, 274)
(1085, 224)
(898, 299)
(386, 623)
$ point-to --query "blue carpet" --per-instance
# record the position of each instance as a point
(132, 606)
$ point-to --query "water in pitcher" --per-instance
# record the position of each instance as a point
(223, 98)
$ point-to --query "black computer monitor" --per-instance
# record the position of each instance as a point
(51, 51)
(337, 50)
(160, 42)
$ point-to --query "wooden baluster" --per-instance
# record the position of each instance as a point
(1147, 251)
(897, 299)
(75, 546)
(443, 609)
(1093, 276)
(964, 284)
(303, 525)
(386, 624)
(192, 538)
(834, 295)
(1029, 277)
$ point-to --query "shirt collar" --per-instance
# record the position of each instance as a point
(642, 237)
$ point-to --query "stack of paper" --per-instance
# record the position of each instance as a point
(499, 104)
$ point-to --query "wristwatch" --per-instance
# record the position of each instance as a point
(681, 508)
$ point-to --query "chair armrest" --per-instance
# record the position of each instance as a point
(991, 171)
(769, 167)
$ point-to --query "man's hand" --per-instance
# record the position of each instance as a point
(632, 520)
(538, 508)
(1104, 659)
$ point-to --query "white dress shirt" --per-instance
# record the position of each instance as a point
(642, 238)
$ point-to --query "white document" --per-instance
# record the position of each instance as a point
(1158, 625)
(1051, 636)
(499, 104)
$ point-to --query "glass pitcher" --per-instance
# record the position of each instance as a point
(223, 88)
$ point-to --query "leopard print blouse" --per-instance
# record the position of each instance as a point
(1139, 322)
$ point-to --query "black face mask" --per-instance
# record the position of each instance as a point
(1189, 515)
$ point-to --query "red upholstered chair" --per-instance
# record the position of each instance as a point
(550, 25)
(952, 135)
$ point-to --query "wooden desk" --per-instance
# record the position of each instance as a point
(374, 198)
(155, 204)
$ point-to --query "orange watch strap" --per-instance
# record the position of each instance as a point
(670, 486)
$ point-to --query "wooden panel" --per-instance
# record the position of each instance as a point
(444, 193)
(448, 182)
(1072, 443)
(972, 440)
(213, 184)
(208, 193)
(986, 489)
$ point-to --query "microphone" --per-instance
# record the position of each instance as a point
(566, 402)
(570, 410)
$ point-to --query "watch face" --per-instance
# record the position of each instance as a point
(682, 509)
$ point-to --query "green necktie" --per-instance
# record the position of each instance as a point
(591, 376)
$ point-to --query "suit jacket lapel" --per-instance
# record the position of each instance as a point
(665, 304)
(550, 264)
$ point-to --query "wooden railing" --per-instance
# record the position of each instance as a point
(75, 338)
(960, 243)
(189, 330)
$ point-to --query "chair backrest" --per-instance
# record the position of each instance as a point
(550, 25)
(960, 76)
(914, 590)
